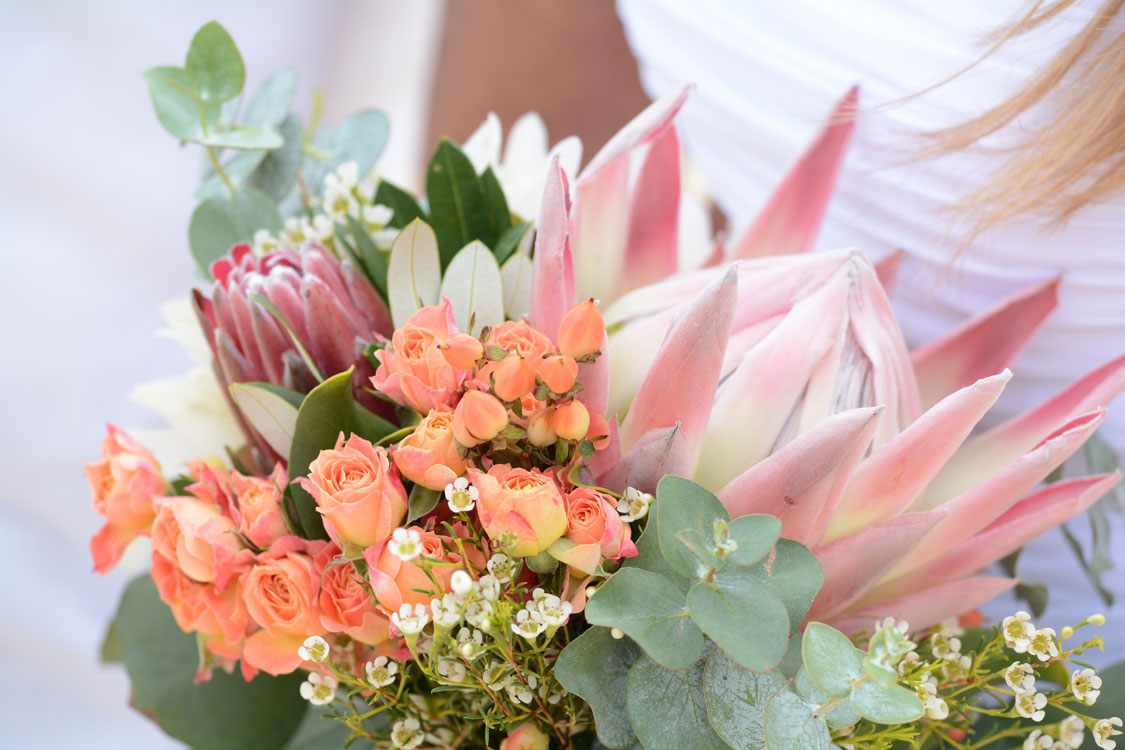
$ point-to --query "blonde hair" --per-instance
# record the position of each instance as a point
(1077, 157)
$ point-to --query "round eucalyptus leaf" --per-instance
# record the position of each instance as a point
(595, 667)
(214, 64)
(736, 700)
(755, 534)
(738, 612)
(681, 504)
(842, 715)
(885, 705)
(794, 575)
(831, 659)
(790, 725)
(669, 709)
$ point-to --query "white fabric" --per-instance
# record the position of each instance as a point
(767, 74)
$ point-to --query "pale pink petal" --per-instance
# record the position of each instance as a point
(599, 224)
(649, 124)
(651, 251)
(923, 609)
(659, 452)
(552, 271)
(887, 269)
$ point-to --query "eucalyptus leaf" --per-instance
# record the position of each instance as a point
(271, 410)
(473, 287)
(459, 210)
(413, 272)
(790, 725)
(649, 558)
(652, 613)
(831, 659)
(794, 575)
(756, 535)
(738, 612)
(737, 699)
(683, 504)
(326, 413)
(892, 704)
(238, 169)
(405, 207)
(594, 666)
(242, 137)
(842, 715)
(277, 173)
(179, 107)
(270, 104)
(515, 275)
(220, 222)
(668, 708)
(214, 64)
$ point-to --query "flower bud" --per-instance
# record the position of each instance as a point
(513, 378)
(598, 432)
(571, 421)
(559, 373)
(526, 736)
(462, 351)
(582, 330)
(541, 429)
(479, 417)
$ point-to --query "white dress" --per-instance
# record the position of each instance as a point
(767, 74)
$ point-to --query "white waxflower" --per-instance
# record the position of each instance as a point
(264, 242)
(293, 233)
(902, 626)
(1072, 732)
(384, 239)
(1096, 620)
(367, 187)
(470, 643)
(451, 670)
(339, 201)
(558, 692)
(446, 611)
(943, 645)
(908, 662)
(934, 705)
(461, 496)
(956, 667)
(1030, 704)
(1017, 631)
(345, 177)
(319, 229)
(405, 544)
(1020, 677)
(316, 649)
(487, 587)
(319, 690)
(1043, 645)
(634, 505)
(377, 216)
(521, 693)
(496, 675)
(528, 624)
(381, 672)
(1086, 686)
(407, 733)
(410, 620)
(553, 610)
(500, 568)
(1105, 729)
(479, 615)
(461, 582)
(1038, 741)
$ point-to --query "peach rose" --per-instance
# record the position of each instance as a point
(258, 506)
(594, 531)
(525, 503)
(358, 492)
(345, 606)
(200, 539)
(199, 607)
(413, 370)
(395, 581)
(280, 592)
(125, 482)
(520, 338)
(428, 456)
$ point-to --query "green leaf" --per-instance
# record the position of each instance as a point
(649, 557)
(515, 276)
(668, 709)
(214, 64)
(738, 612)
(499, 217)
(272, 100)
(243, 137)
(843, 715)
(318, 731)
(509, 241)
(277, 174)
(893, 704)
(327, 411)
(238, 168)
(373, 259)
(458, 208)
(472, 285)
(111, 652)
(594, 666)
(790, 725)
(370, 426)
(405, 207)
(683, 504)
(831, 659)
(413, 272)
(224, 713)
(736, 700)
(422, 501)
(794, 576)
(179, 106)
(756, 535)
(271, 410)
(220, 222)
(360, 138)
(652, 613)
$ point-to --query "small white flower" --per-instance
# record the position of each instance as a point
(1038, 741)
(345, 177)
(461, 496)
(520, 693)
(553, 610)
(956, 667)
(528, 624)
(943, 645)
(558, 692)
(1030, 705)
(377, 216)
(487, 587)
(1105, 729)
(316, 649)
(1017, 631)
(934, 705)
(319, 690)
(410, 620)
(405, 544)
(1096, 620)
(902, 626)
(293, 233)
(470, 643)
(1043, 645)
(321, 228)
(908, 662)
(1086, 686)
(496, 676)
(634, 505)
(461, 582)
(1072, 732)
(451, 670)
(479, 615)
(339, 202)
(366, 188)
(407, 734)
(381, 672)
(384, 239)
(447, 611)
(264, 242)
(1020, 677)
(500, 568)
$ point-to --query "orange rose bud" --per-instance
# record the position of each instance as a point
(598, 432)
(461, 351)
(513, 378)
(572, 420)
(540, 428)
(582, 330)
(478, 418)
(559, 373)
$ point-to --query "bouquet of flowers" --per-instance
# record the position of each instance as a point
(517, 477)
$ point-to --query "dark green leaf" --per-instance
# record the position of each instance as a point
(831, 659)
(271, 101)
(374, 260)
(405, 207)
(650, 611)
(371, 426)
(738, 612)
(794, 576)
(893, 704)
(422, 501)
(755, 534)
(790, 725)
(594, 666)
(319, 731)
(458, 207)
(736, 700)
(843, 715)
(668, 709)
(214, 64)
(225, 713)
(683, 504)
(327, 411)
(111, 645)
(499, 217)
(277, 173)
(509, 241)
(649, 558)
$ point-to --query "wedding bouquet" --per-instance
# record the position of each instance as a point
(515, 474)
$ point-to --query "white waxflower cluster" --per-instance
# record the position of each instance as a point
(933, 704)
(1021, 635)
(315, 649)
(542, 612)
(634, 505)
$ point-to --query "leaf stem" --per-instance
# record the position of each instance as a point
(219, 169)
